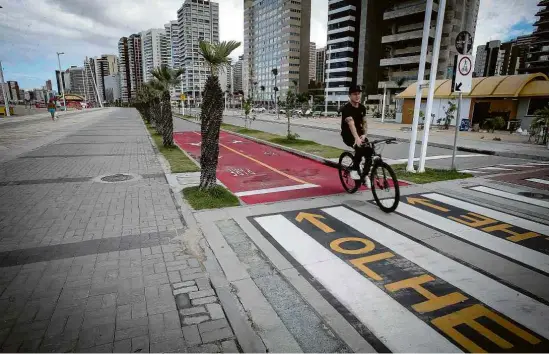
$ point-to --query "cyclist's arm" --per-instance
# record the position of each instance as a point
(365, 126)
(351, 123)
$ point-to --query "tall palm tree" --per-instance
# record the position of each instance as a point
(143, 103)
(216, 56)
(166, 78)
(275, 89)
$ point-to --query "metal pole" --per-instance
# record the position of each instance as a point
(384, 98)
(432, 79)
(420, 79)
(458, 123)
(62, 80)
(4, 93)
(276, 102)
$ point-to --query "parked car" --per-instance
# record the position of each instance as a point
(282, 111)
(259, 110)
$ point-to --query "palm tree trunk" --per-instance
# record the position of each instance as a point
(156, 115)
(167, 119)
(211, 116)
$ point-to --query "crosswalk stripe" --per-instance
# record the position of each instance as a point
(519, 307)
(508, 249)
(539, 163)
(529, 166)
(393, 324)
(538, 180)
(507, 195)
(494, 214)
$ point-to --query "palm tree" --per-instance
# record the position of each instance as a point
(166, 78)
(262, 95)
(216, 56)
(275, 89)
(540, 122)
(143, 103)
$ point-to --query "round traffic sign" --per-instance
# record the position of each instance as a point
(465, 66)
(464, 42)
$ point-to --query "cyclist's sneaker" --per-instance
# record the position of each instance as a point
(368, 183)
(354, 175)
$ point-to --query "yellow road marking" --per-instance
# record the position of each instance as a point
(313, 219)
(426, 202)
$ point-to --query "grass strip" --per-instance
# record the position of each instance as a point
(214, 198)
(179, 162)
(308, 146)
(430, 175)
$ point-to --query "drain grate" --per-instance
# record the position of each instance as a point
(119, 177)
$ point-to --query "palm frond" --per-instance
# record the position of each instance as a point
(157, 86)
(217, 54)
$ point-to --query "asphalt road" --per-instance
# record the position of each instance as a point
(394, 151)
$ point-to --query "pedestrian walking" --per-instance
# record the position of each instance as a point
(51, 109)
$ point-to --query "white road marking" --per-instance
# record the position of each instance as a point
(509, 249)
(437, 157)
(494, 214)
(538, 180)
(529, 166)
(275, 190)
(470, 171)
(495, 169)
(398, 328)
(511, 196)
(539, 163)
(517, 306)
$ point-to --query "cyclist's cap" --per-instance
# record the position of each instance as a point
(354, 89)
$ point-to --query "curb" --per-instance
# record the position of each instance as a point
(293, 151)
(439, 145)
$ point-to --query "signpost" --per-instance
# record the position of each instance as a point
(462, 80)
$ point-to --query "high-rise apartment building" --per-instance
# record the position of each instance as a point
(320, 64)
(538, 54)
(276, 35)
(237, 75)
(48, 85)
(312, 61)
(112, 87)
(172, 36)
(62, 78)
(226, 79)
(124, 69)
(155, 51)
(77, 81)
(489, 59)
(135, 64)
(197, 20)
(13, 91)
(402, 31)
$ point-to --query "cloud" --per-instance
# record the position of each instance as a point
(32, 31)
(507, 22)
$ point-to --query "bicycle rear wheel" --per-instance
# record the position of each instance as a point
(345, 167)
(385, 187)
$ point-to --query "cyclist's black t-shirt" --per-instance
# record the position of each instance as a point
(358, 114)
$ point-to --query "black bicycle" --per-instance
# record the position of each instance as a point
(382, 177)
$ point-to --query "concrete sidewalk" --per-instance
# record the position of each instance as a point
(512, 145)
(96, 255)
(16, 120)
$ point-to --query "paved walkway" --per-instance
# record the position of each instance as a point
(94, 266)
(512, 145)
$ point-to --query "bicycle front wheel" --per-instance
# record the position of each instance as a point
(345, 167)
(385, 187)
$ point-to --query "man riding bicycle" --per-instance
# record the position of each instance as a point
(354, 129)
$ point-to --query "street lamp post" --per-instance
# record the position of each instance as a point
(4, 93)
(61, 79)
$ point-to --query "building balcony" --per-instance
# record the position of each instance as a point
(338, 70)
(542, 12)
(339, 79)
(399, 37)
(342, 9)
(339, 40)
(342, 29)
(330, 2)
(406, 11)
(344, 89)
(342, 19)
(414, 59)
(339, 60)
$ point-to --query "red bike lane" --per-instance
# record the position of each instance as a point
(258, 173)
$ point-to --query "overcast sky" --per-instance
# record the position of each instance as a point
(32, 31)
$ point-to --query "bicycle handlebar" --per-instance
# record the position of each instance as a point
(386, 141)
